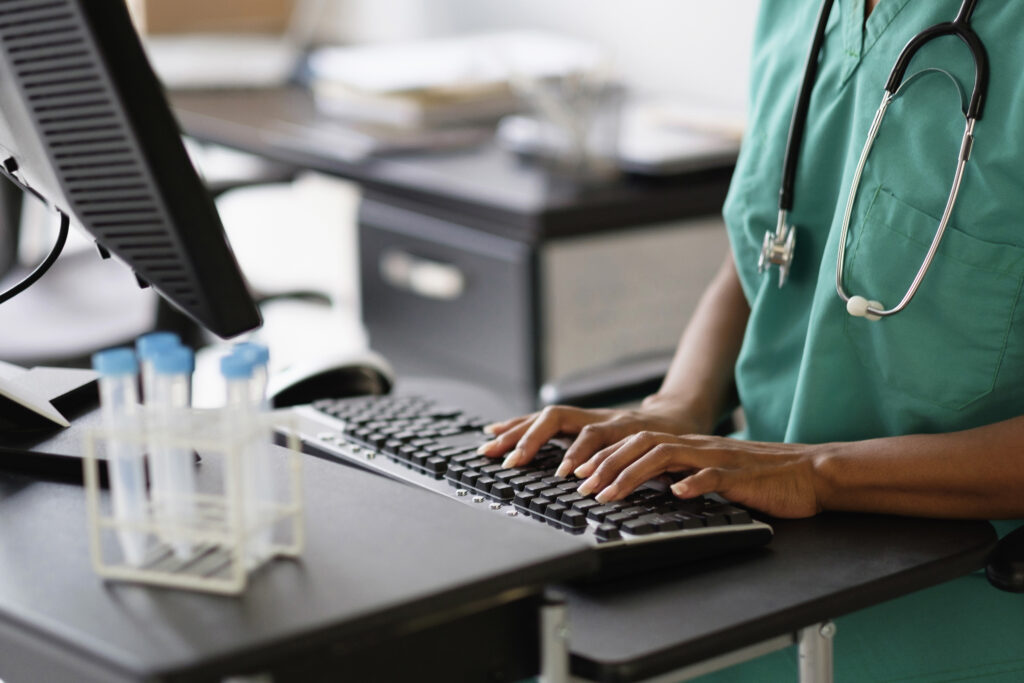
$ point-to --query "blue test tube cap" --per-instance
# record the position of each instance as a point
(119, 361)
(148, 345)
(178, 360)
(257, 353)
(236, 366)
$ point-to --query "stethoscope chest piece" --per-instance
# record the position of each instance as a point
(777, 249)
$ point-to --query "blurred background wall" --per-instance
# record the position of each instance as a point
(664, 47)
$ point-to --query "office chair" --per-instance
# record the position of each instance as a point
(632, 379)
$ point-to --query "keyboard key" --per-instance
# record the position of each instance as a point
(686, 520)
(522, 499)
(715, 519)
(607, 532)
(585, 504)
(521, 482)
(555, 510)
(537, 486)
(502, 491)
(574, 519)
(539, 504)
(638, 526)
(569, 498)
(435, 465)
(736, 515)
(618, 518)
(600, 512)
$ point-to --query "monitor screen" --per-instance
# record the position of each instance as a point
(85, 125)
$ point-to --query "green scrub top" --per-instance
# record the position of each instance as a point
(809, 372)
(953, 359)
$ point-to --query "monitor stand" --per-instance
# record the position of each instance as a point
(34, 442)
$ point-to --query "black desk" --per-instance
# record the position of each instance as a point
(736, 608)
(515, 247)
(393, 569)
(387, 570)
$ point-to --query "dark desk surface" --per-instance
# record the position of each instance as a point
(813, 570)
(350, 582)
(508, 196)
(378, 557)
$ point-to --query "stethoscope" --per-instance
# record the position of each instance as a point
(777, 248)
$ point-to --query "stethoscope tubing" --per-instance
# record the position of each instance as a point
(959, 27)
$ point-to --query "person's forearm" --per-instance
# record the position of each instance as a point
(977, 473)
(700, 378)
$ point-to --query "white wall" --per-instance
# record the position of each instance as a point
(682, 47)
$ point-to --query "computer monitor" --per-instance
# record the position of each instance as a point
(85, 126)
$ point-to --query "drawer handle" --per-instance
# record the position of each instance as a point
(420, 276)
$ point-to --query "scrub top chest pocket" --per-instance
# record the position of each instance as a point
(947, 347)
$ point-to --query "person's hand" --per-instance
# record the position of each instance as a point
(777, 478)
(594, 429)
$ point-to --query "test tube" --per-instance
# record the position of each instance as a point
(172, 469)
(119, 409)
(259, 356)
(147, 346)
(259, 469)
(236, 369)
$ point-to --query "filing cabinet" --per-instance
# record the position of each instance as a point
(512, 298)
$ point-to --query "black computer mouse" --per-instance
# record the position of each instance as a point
(330, 377)
(1005, 568)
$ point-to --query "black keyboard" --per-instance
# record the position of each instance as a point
(433, 446)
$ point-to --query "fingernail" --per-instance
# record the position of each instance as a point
(586, 487)
(606, 495)
(582, 471)
(513, 459)
(489, 429)
(482, 450)
(563, 469)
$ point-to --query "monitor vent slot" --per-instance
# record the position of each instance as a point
(55, 64)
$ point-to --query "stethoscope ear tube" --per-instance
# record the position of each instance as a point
(970, 38)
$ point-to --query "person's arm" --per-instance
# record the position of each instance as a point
(692, 397)
(976, 473)
(700, 379)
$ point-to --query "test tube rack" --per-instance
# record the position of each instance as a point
(220, 531)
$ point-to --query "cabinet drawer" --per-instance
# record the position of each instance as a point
(437, 295)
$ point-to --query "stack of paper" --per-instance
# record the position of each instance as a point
(447, 82)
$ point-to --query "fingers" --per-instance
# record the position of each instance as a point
(587, 468)
(604, 471)
(619, 470)
(709, 480)
(527, 435)
(496, 428)
(591, 440)
(504, 442)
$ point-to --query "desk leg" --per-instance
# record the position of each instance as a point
(554, 641)
(815, 647)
